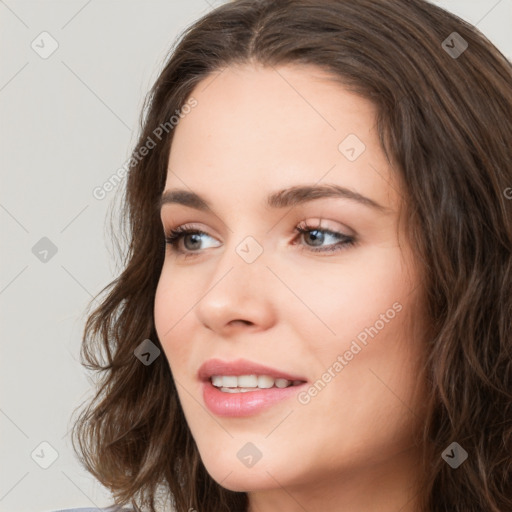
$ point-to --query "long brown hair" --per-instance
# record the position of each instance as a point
(445, 119)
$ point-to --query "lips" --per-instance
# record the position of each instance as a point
(242, 367)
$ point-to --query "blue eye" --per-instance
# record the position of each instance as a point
(316, 234)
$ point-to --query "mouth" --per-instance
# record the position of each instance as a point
(252, 382)
(245, 388)
(242, 376)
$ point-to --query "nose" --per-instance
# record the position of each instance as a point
(238, 295)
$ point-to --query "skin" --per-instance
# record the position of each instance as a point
(353, 446)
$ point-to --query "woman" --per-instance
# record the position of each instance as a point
(314, 312)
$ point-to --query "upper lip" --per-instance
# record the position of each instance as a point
(242, 367)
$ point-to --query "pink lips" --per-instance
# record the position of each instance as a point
(248, 403)
(241, 367)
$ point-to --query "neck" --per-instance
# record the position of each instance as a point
(388, 486)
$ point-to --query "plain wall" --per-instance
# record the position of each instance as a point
(68, 123)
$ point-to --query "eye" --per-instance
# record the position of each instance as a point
(175, 236)
(316, 234)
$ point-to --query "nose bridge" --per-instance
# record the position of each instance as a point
(244, 260)
(238, 289)
(246, 244)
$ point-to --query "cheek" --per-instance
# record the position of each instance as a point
(176, 294)
(170, 314)
(351, 296)
(365, 307)
(369, 308)
(164, 310)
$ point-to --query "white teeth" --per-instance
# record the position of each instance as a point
(265, 382)
(282, 383)
(230, 381)
(217, 380)
(244, 383)
(236, 390)
(248, 381)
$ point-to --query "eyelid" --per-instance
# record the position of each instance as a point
(174, 236)
(309, 224)
(187, 229)
(327, 225)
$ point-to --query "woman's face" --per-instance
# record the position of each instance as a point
(327, 308)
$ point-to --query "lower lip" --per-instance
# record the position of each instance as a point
(244, 403)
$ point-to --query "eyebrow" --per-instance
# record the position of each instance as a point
(285, 198)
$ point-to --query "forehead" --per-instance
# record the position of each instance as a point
(259, 127)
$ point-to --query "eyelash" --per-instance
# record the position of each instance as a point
(173, 237)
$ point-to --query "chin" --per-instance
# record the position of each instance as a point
(245, 481)
(231, 473)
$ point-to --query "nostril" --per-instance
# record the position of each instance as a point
(245, 322)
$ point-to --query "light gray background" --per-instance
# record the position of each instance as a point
(68, 123)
